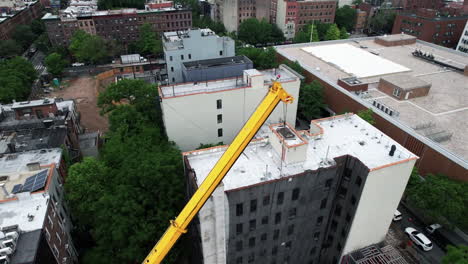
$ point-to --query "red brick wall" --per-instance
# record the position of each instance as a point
(25, 17)
(353, 88)
(388, 88)
(402, 42)
(306, 12)
(430, 160)
(45, 109)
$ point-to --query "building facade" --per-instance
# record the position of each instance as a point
(301, 196)
(122, 25)
(463, 42)
(292, 16)
(185, 46)
(232, 12)
(35, 226)
(214, 111)
(23, 16)
(431, 26)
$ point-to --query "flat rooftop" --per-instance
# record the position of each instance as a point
(16, 212)
(444, 109)
(341, 135)
(191, 88)
(202, 64)
(33, 103)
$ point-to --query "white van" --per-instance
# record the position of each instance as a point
(397, 216)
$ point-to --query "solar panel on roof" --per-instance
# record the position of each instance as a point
(35, 182)
(17, 188)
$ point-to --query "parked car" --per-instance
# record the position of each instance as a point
(419, 238)
(397, 216)
(78, 64)
(432, 228)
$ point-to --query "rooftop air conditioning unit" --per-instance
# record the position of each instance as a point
(12, 235)
(6, 251)
(10, 243)
(4, 260)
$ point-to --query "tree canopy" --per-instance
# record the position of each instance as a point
(304, 35)
(9, 48)
(126, 198)
(16, 77)
(55, 64)
(367, 115)
(382, 22)
(262, 58)
(261, 32)
(333, 33)
(88, 48)
(24, 36)
(207, 22)
(311, 100)
(345, 16)
(456, 255)
(343, 33)
(149, 42)
(441, 198)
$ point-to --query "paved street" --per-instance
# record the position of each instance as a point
(433, 256)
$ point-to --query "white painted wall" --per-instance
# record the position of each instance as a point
(380, 197)
(191, 120)
(464, 36)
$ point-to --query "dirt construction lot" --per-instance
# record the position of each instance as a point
(85, 91)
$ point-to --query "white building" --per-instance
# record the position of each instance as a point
(463, 43)
(301, 196)
(214, 111)
(193, 45)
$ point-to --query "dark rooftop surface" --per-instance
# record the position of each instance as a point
(217, 62)
(27, 247)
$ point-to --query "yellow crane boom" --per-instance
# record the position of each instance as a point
(179, 226)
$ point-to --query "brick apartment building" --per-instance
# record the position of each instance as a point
(429, 128)
(300, 196)
(231, 13)
(432, 26)
(292, 16)
(22, 16)
(34, 222)
(121, 25)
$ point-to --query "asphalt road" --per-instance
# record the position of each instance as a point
(436, 253)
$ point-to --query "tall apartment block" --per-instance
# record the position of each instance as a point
(121, 25)
(292, 16)
(20, 13)
(34, 222)
(232, 12)
(301, 196)
(193, 45)
(463, 42)
(214, 111)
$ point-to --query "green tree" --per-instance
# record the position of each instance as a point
(43, 43)
(311, 100)
(442, 199)
(333, 33)
(9, 48)
(262, 58)
(322, 29)
(149, 41)
(55, 64)
(367, 115)
(24, 36)
(382, 22)
(88, 48)
(456, 255)
(207, 22)
(37, 27)
(296, 67)
(16, 77)
(345, 16)
(256, 32)
(343, 33)
(304, 35)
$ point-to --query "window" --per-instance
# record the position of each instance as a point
(348, 218)
(347, 174)
(319, 220)
(39, 114)
(343, 232)
(323, 204)
(190, 56)
(274, 250)
(288, 245)
(290, 230)
(58, 238)
(295, 194)
(253, 205)
(292, 213)
(170, 58)
(239, 228)
(252, 242)
(277, 218)
(276, 234)
(265, 220)
(313, 250)
(173, 80)
(328, 183)
(219, 104)
(239, 209)
(220, 118)
(338, 247)
(338, 210)
(334, 225)
(220, 132)
(353, 200)
(239, 245)
(220, 53)
(358, 181)
(252, 224)
(263, 237)
(396, 92)
(316, 236)
(280, 198)
(172, 69)
(55, 250)
(342, 192)
(266, 199)
(47, 234)
(182, 57)
(239, 260)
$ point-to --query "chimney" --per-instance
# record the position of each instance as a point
(11, 147)
(2, 185)
(392, 150)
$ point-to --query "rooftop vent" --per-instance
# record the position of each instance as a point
(286, 133)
